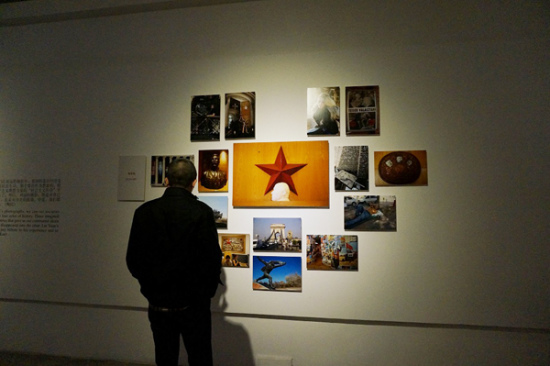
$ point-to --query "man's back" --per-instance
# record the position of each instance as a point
(173, 249)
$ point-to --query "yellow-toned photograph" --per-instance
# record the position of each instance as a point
(281, 174)
(234, 249)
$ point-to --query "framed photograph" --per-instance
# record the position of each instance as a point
(235, 250)
(240, 115)
(401, 168)
(205, 118)
(213, 170)
(332, 252)
(219, 206)
(277, 234)
(323, 111)
(281, 174)
(363, 110)
(351, 168)
(272, 273)
(159, 167)
(370, 213)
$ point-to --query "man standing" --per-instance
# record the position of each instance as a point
(173, 252)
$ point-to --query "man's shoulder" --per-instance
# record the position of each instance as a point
(148, 205)
(183, 198)
(175, 198)
(200, 205)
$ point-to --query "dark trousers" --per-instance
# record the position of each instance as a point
(193, 324)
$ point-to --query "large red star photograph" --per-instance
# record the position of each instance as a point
(281, 174)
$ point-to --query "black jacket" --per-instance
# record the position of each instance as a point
(173, 249)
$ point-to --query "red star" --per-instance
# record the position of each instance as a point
(280, 171)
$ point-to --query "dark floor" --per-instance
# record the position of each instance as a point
(23, 359)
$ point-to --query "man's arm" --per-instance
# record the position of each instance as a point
(210, 268)
(143, 258)
(136, 254)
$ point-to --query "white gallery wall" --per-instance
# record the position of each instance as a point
(464, 279)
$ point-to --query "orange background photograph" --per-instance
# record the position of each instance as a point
(311, 182)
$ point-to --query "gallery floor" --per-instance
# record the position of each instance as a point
(19, 359)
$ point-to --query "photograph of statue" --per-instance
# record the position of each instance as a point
(323, 111)
(370, 213)
(272, 273)
(363, 110)
(205, 118)
(280, 192)
(332, 252)
(281, 234)
(213, 168)
(351, 168)
(240, 115)
(281, 174)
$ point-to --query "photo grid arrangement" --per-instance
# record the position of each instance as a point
(290, 175)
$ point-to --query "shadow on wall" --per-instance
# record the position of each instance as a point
(230, 341)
